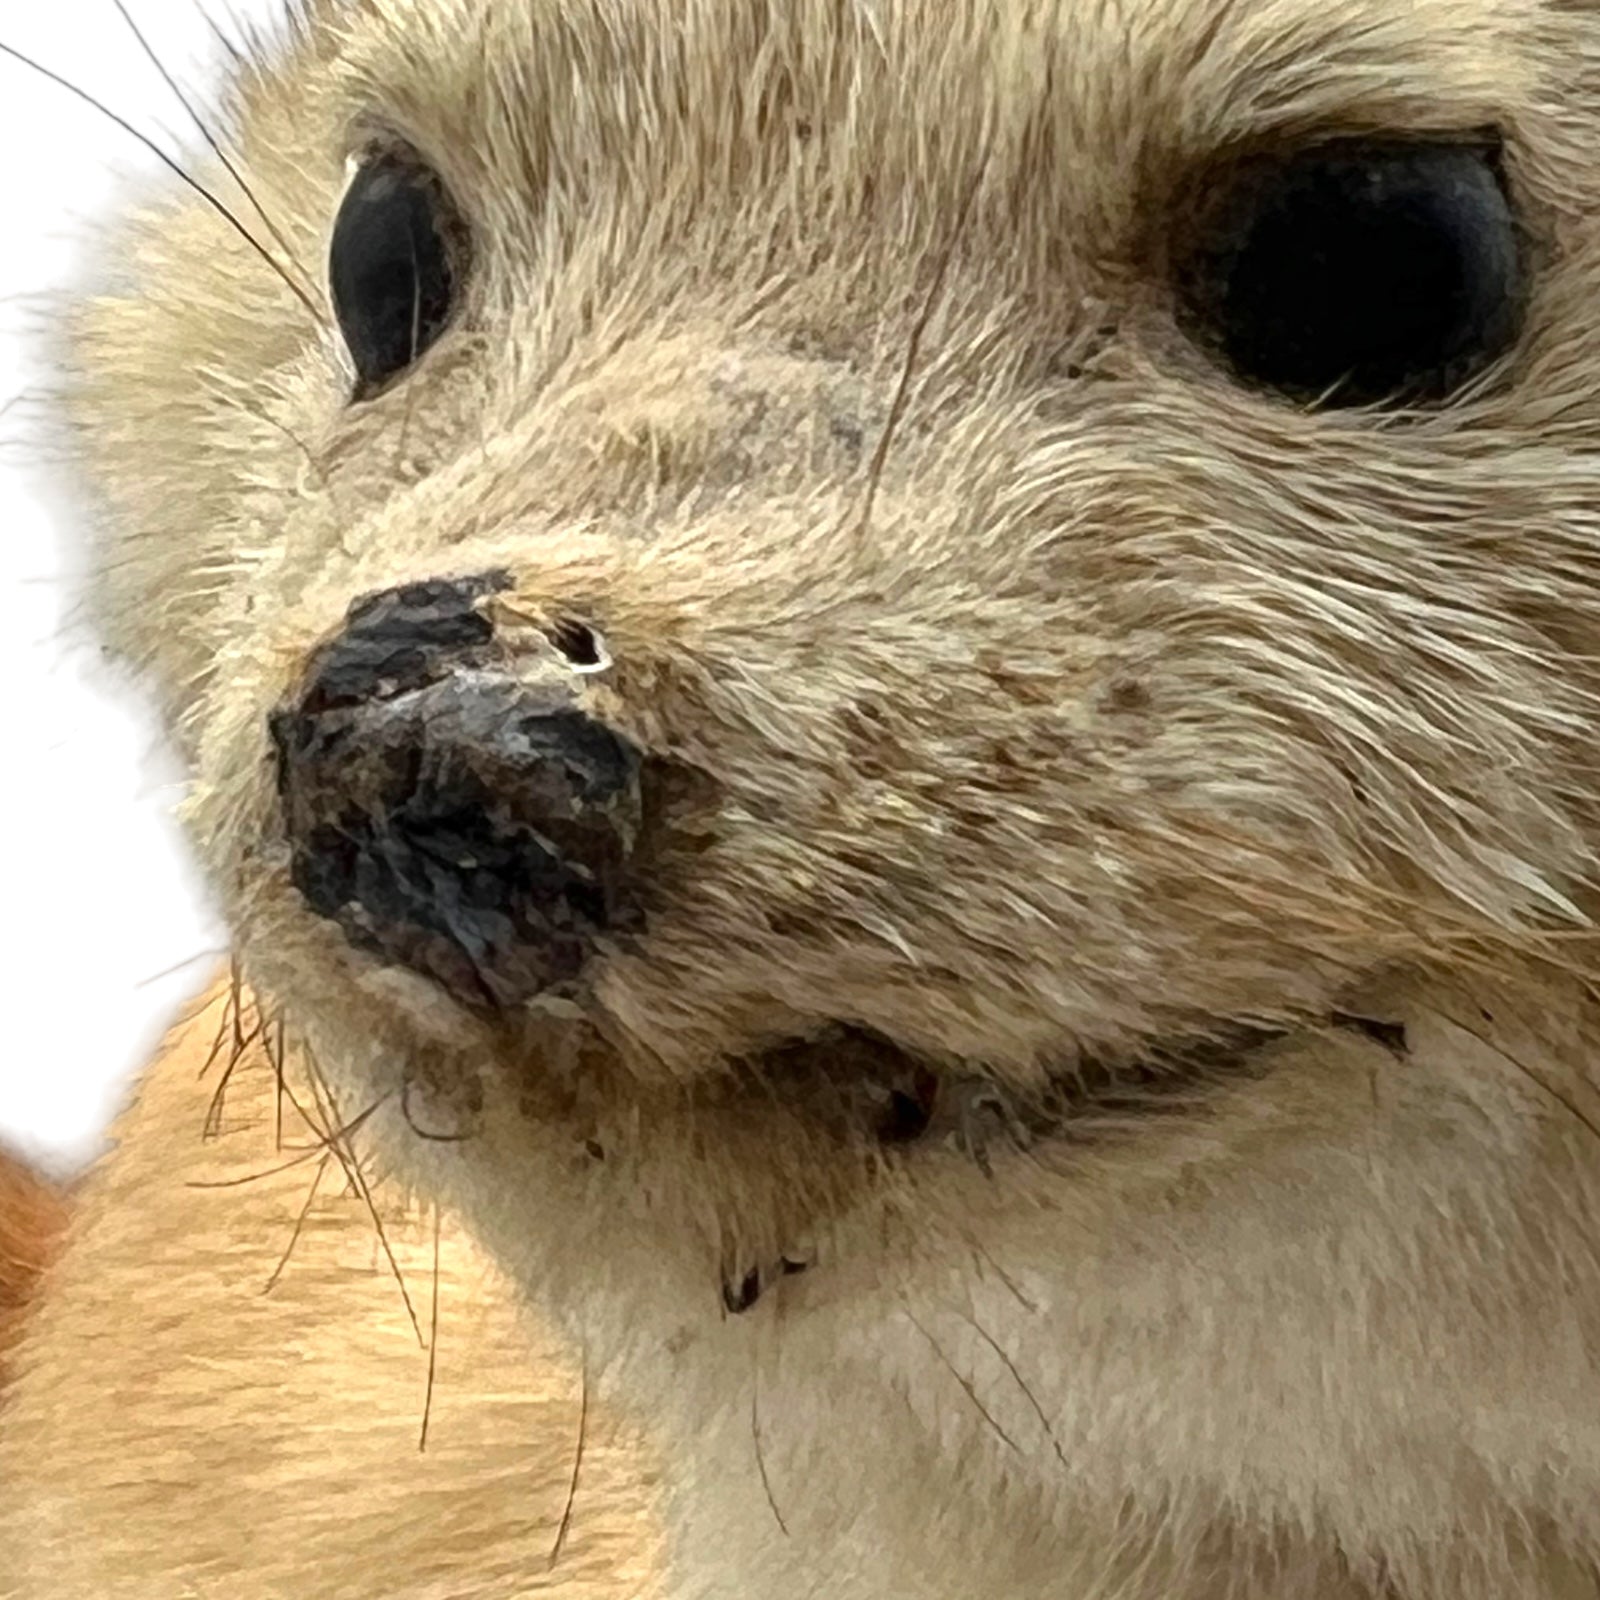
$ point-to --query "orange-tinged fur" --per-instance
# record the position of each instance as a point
(1043, 698)
(225, 1260)
(32, 1213)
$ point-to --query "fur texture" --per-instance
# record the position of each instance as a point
(32, 1214)
(1040, 700)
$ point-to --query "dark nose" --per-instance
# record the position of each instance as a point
(450, 816)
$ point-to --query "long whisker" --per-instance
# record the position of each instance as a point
(224, 1028)
(211, 1128)
(577, 1461)
(205, 133)
(173, 166)
(902, 393)
(179, 966)
(1550, 1090)
(279, 1052)
(231, 1022)
(242, 1042)
(299, 1224)
(287, 1166)
(320, 1091)
(1005, 1278)
(235, 54)
(966, 1383)
(433, 1339)
(755, 1439)
(318, 1130)
(1011, 1367)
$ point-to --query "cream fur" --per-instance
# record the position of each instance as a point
(1129, 707)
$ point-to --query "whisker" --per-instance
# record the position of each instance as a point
(416, 340)
(206, 134)
(224, 1026)
(319, 1130)
(242, 1041)
(211, 1128)
(902, 393)
(325, 1147)
(210, 1002)
(966, 1383)
(230, 1013)
(411, 1122)
(364, 1189)
(1539, 1081)
(247, 406)
(1011, 1367)
(230, 46)
(300, 1222)
(324, 1120)
(433, 1339)
(236, 1011)
(755, 1439)
(173, 166)
(1005, 1278)
(178, 966)
(577, 1461)
(279, 1055)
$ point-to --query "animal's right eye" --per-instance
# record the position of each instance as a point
(392, 267)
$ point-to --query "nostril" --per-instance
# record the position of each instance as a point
(584, 648)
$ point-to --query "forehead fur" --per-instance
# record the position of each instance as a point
(1118, 80)
(1097, 108)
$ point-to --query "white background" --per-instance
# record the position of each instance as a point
(100, 902)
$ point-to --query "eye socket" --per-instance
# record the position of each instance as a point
(1360, 272)
(391, 267)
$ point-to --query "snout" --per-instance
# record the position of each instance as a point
(452, 813)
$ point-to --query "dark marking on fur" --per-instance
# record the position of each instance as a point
(975, 1115)
(1391, 1035)
(860, 1086)
(742, 1294)
(441, 1101)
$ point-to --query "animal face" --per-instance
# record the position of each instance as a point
(771, 603)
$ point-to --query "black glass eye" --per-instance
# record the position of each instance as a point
(1358, 272)
(391, 267)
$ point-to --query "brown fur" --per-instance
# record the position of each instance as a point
(1047, 704)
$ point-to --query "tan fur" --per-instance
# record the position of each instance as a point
(1126, 706)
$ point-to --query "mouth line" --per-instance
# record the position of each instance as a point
(905, 1102)
(909, 1105)
(879, 1096)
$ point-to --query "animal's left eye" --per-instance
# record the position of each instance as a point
(392, 268)
(1355, 272)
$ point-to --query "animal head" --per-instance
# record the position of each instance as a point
(776, 583)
